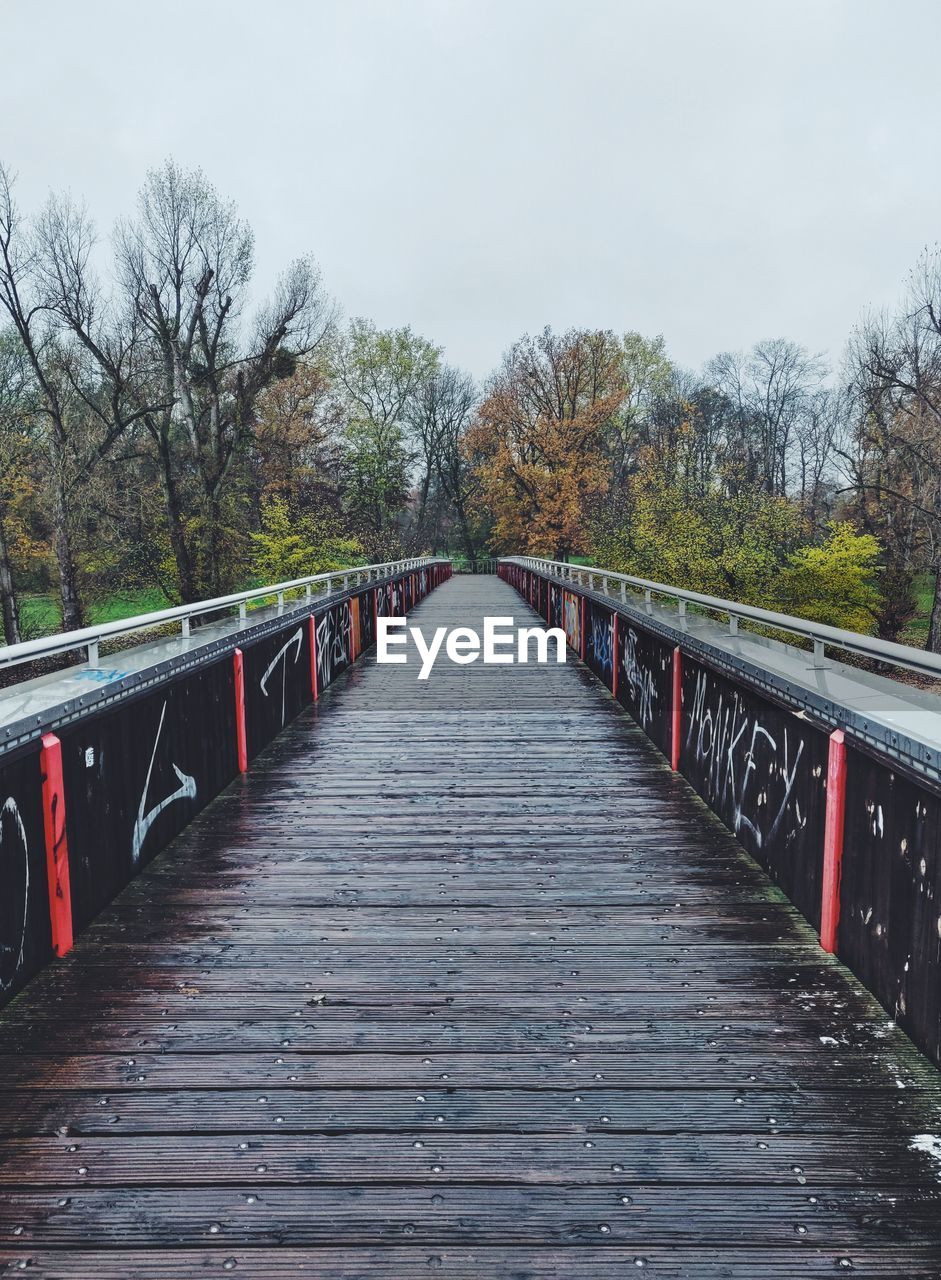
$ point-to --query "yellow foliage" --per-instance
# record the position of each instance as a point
(835, 582)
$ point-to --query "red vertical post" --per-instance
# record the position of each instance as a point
(833, 841)
(313, 658)
(351, 640)
(57, 845)
(241, 738)
(375, 613)
(677, 709)
(615, 659)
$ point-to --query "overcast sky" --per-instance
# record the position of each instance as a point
(716, 171)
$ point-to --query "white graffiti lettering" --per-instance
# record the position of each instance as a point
(333, 632)
(12, 952)
(640, 681)
(147, 817)
(718, 730)
(297, 640)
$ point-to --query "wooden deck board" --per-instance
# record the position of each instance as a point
(460, 979)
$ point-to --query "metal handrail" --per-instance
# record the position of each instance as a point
(89, 637)
(483, 565)
(900, 655)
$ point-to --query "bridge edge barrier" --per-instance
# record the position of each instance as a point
(104, 790)
(858, 855)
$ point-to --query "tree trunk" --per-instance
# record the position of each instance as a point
(469, 548)
(214, 545)
(72, 613)
(186, 578)
(11, 613)
(934, 627)
(422, 510)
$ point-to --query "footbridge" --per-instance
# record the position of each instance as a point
(625, 965)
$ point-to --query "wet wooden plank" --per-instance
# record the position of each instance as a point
(586, 1262)
(440, 1109)
(550, 1069)
(812, 1039)
(590, 1158)
(436, 1213)
(193, 1001)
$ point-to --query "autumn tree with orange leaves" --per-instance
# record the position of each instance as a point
(540, 439)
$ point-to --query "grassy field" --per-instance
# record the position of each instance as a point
(916, 632)
(42, 616)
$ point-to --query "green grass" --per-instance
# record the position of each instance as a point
(917, 630)
(42, 616)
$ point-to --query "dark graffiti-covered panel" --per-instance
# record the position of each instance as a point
(135, 776)
(645, 675)
(25, 935)
(599, 641)
(277, 682)
(365, 606)
(572, 619)
(890, 894)
(334, 642)
(762, 769)
(556, 614)
(390, 599)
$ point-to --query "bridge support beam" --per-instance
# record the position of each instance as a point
(615, 660)
(676, 709)
(833, 841)
(314, 689)
(57, 845)
(241, 737)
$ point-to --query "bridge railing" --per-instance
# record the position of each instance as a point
(820, 634)
(90, 638)
(828, 775)
(483, 565)
(103, 763)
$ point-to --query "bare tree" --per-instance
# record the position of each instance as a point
(817, 434)
(446, 406)
(772, 389)
(896, 458)
(15, 443)
(185, 263)
(78, 365)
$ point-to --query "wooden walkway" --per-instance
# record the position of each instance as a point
(460, 980)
